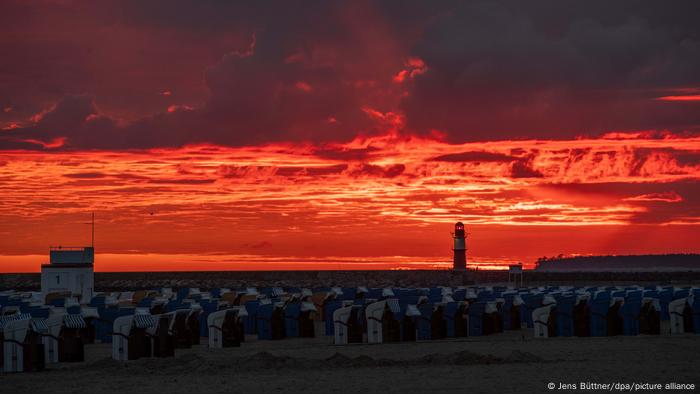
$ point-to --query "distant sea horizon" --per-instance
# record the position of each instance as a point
(160, 262)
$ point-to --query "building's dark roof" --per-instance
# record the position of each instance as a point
(67, 265)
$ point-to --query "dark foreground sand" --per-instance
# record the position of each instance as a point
(512, 362)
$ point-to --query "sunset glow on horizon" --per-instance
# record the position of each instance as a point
(374, 196)
(352, 136)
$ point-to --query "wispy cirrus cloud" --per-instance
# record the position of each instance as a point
(689, 97)
(305, 193)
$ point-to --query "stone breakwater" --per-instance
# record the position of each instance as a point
(118, 281)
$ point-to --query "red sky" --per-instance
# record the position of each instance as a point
(346, 135)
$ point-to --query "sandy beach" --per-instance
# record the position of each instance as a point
(506, 363)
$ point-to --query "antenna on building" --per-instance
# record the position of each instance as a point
(92, 232)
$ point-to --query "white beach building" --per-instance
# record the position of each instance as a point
(69, 269)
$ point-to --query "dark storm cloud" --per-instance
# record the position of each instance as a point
(306, 72)
(664, 202)
(390, 171)
(476, 157)
(523, 169)
(520, 167)
(85, 175)
(556, 69)
(345, 154)
(181, 181)
(145, 74)
(311, 171)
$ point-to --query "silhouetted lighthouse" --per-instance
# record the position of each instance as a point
(460, 249)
